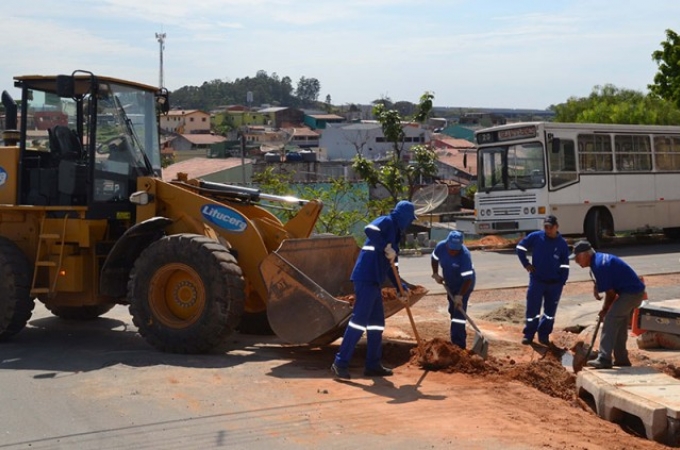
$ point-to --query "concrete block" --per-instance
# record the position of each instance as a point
(652, 414)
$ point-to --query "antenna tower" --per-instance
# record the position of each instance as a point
(161, 41)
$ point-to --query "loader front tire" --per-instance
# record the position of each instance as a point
(186, 294)
(16, 304)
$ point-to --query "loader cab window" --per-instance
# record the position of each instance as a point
(126, 141)
(54, 167)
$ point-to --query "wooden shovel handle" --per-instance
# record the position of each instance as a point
(421, 348)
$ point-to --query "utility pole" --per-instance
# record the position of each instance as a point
(161, 40)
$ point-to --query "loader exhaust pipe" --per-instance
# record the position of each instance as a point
(10, 135)
(10, 111)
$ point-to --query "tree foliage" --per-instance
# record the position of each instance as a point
(667, 79)
(609, 104)
(345, 205)
(308, 90)
(266, 89)
(396, 175)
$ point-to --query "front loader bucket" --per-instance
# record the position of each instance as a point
(303, 278)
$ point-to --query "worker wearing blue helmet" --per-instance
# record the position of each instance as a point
(459, 275)
(372, 267)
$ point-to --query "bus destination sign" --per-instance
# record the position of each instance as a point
(506, 135)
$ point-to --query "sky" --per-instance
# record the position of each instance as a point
(484, 53)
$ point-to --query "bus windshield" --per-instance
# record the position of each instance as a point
(512, 167)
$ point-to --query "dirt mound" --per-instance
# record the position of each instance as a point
(546, 374)
(511, 312)
(495, 241)
(389, 294)
(442, 355)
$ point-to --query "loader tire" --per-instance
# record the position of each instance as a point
(16, 303)
(89, 312)
(186, 294)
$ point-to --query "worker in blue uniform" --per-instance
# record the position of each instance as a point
(370, 271)
(548, 273)
(624, 291)
(459, 275)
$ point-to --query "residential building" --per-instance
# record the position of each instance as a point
(188, 121)
(189, 145)
(344, 141)
(319, 121)
(218, 170)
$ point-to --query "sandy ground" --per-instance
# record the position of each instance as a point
(517, 397)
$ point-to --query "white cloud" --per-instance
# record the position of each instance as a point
(495, 53)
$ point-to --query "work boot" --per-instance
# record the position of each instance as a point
(600, 363)
(526, 340)
(341, 373)
(378, 372)
(544, 340)
(623, 363)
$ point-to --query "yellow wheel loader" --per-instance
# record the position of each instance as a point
(87, 222)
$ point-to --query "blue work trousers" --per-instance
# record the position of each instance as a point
(368, 316)
(458, 333)
(545, 295)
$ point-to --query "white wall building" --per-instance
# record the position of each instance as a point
(342, 142)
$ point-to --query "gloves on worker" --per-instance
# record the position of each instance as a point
(457, 301)
(390, 253)
(438, 278)
(403, 293)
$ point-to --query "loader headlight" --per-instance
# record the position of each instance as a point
(139, 198)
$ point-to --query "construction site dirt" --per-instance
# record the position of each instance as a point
(260, 393)
(531, 397)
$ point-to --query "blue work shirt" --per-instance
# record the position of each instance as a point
(549, 256)
(372, 265)
(611, 272)
(455, 268)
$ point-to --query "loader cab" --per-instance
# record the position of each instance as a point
(85, 140)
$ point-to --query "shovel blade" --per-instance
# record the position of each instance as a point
(480, 346)
(581, 353)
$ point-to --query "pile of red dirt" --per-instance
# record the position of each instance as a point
(390, 294)
(546, 374)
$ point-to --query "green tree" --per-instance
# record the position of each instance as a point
(667, 79)
(345, 205)
(397, 176)
(609, 104)
(308, 90)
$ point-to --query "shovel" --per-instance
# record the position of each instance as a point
(480, 345)
(582, 352)
(421, 348)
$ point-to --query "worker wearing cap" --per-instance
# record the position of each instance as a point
(623, 293)
(459, 275)
(548, 273)
(372, 267)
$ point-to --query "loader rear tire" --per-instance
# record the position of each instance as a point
(89, 312)
(16, 304)
(186, 294)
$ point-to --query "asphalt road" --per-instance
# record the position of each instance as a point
(98, 385)
(501, 268)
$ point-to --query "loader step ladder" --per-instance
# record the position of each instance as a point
(43, 241)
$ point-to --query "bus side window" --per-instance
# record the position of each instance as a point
(667, 153)
(563, 163)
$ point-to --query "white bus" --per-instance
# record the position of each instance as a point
(596, 178)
